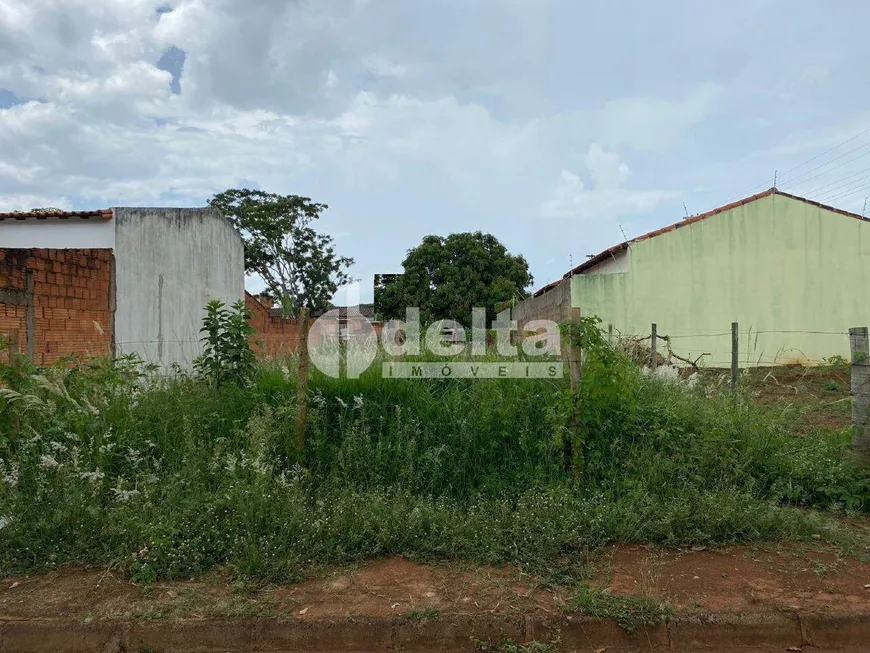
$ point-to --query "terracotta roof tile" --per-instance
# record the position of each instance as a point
(101, 214)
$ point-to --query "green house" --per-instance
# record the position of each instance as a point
(791, 272)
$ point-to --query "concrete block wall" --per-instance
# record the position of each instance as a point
(58, 302)
(554, 304)
(171, 263)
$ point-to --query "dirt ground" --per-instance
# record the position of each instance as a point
(814, 397)
(737, 579)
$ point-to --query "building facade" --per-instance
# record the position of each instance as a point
(115, 281)
(791, 272)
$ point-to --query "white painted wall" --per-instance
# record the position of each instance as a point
(169, 264)
(53, 233)
(616, 263)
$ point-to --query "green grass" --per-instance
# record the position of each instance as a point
(170, 478)
(630, 612)
(428, 613)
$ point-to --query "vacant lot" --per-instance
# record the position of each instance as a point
(197, 494)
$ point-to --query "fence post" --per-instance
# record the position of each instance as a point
(860, 381)
(653, 353)
(610, 334)
(574, 361)
(735, 371)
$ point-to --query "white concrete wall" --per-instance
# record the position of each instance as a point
(169, 264)
(614, 264)
(54, 233)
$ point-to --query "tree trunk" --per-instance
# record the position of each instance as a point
(302, 385)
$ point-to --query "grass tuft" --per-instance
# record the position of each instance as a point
(630, 612)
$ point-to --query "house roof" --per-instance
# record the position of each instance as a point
(610, 251)
(44, 214)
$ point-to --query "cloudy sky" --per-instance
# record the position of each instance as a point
(553, 124)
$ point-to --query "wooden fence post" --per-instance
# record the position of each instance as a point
(653, 353)
(735, 370)
(575, 361)
(860, 349)
(610, 334)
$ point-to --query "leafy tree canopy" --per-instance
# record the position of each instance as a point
(447, 276)
(298, 264)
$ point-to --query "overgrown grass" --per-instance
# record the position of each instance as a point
(170, 477)
(630, 612)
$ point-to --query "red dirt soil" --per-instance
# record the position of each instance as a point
(737, 579)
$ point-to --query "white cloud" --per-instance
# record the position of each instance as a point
(28, 202)
(605, 167)
(380, 66)
(657, 123)
(418, 118)
(607, 199)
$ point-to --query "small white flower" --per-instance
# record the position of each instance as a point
(123, 496)
(48, 462)
(341, 402)
(9, 474)
(93, 477)
(358, 402)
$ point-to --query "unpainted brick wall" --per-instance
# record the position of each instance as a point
(71, 301)
(274, 336)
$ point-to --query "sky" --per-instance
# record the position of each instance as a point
(560, 126)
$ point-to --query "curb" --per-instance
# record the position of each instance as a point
(446, 633)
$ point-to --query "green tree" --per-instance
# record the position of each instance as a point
(447, 276)
(299, 265)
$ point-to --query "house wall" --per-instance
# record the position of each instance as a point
(617, 262)
(792, 274)
(171, 263)
(56, 233)
(58, 302)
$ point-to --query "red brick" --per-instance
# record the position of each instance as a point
(71, 293)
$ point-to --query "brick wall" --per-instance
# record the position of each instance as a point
(62, 297)
(274, 336)
(277, 336)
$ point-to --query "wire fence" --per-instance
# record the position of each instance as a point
(736, 347)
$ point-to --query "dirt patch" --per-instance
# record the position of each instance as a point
(818, 397)
(737, 579)
(743, 579)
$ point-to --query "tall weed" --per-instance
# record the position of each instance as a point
(103, 463)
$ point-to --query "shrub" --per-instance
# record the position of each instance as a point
(169, 477)
(227, 355)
